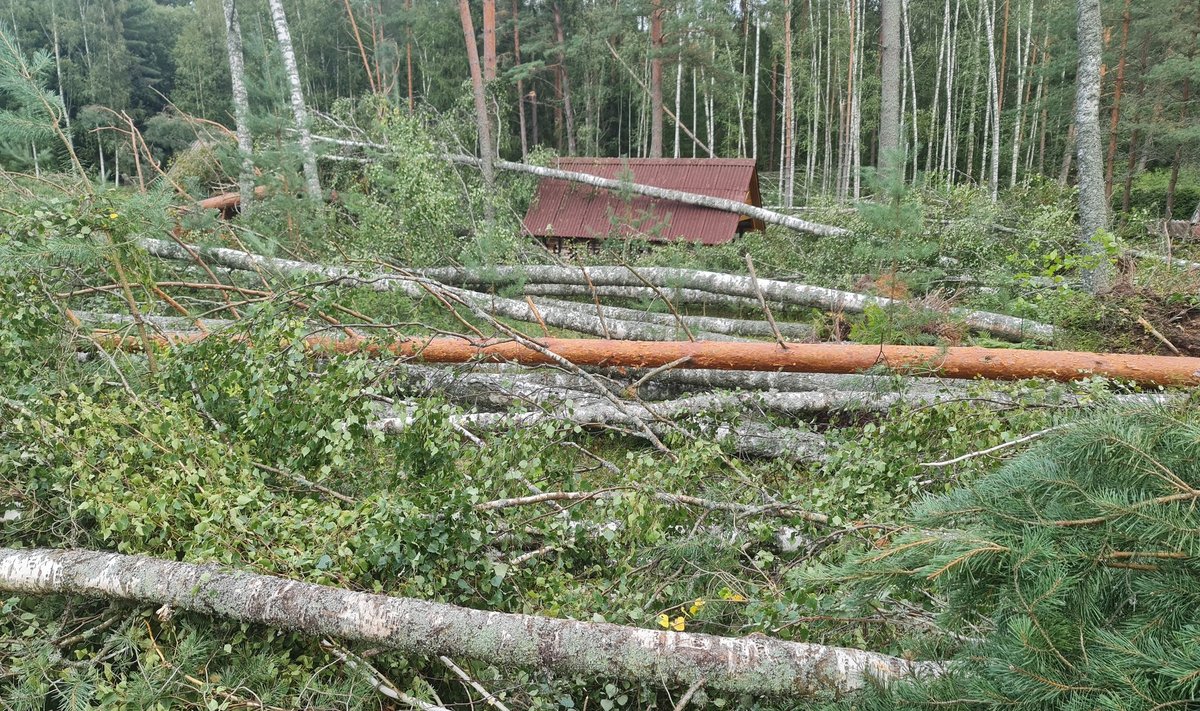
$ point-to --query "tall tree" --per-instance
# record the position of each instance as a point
(481, 114)
(656, 95)
(1093, 205)
(889, 110)
(299, 111)
(241, 101)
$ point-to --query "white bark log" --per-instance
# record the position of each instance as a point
(750, 438)
(757, 665)
(644, 293)
(299, 111)
(574, 319)
(797, 332)
(731, 284)
(1174, 261)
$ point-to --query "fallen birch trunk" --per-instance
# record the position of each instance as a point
(676, 295)
(571, 319)
(716, 203)
(758, 665)
(750, 438)
(710, 324)
(733, 285)
(847, 358)
(1173, 261)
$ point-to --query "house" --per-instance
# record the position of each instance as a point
(564, 212)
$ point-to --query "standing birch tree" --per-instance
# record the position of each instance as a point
(241, 102)
(299, 112)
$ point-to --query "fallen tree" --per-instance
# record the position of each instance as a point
(740, 208)
(1173, 261)
(675, 295)
(710, 324)
(573, 318)
(749, 438)
(756, 665)
(847, 358)
(1003, 325)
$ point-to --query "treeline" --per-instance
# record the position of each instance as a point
(986, 85)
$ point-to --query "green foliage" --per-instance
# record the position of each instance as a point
(1070, 572)
(1149, 192)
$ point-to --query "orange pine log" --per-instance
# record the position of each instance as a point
(957, 362)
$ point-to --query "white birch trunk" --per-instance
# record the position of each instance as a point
(755, 665)
(241, 103)
(299, 111)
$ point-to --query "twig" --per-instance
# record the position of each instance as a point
(657, 371)
(595, 300)
(763, 302)
(488, 698)
(299, 479)
(665, 300)
(1154, 332)
(377, 680)
(687, 695)
(541, 321)
(989, 450)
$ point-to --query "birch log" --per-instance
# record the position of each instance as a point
(730, 284)
(574, 318)
(675, 295)
(726, 326)
(758, 665)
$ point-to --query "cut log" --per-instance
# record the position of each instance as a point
(757, 665)
(1003, 325)
(962, 362)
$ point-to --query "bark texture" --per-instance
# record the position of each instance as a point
(756, 665)
(241, 101)
(730, 284)
(889, 120)
(1093, 204)
(964, 363)
(312, 181)
(574, 318)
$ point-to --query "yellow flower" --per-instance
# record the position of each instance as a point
(664, 621)
(113, 215)
(678, 624)
(696, 606)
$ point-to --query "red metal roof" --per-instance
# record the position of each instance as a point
(573, 210)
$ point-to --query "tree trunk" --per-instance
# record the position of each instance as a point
(731, 284)
(787, 157)
(482, 121)
(1115, 115)
(756, 665)
(520, 82)
(754, 102)
(565, 80)
(489, 41)
(889, 121)
(299, 112)
(241, 102)
(1093, 205)
(716, 203)
(966, 363)
(656, 96)
(412, 106)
